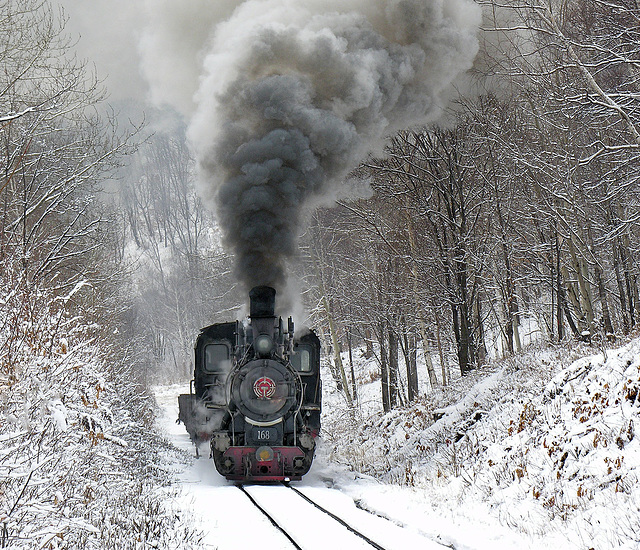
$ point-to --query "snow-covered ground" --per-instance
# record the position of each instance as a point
(395, 517)
(538, 451)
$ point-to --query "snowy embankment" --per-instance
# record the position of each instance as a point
(79, 464)
(543, 444)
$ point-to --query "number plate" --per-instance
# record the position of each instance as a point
(264, 434)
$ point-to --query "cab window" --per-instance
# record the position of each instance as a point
(301, 359)
(216, 358)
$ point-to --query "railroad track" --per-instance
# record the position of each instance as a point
(308, 525)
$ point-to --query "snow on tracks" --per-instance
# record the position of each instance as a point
(316, 518)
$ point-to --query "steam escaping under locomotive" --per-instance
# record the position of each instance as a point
(255, 395)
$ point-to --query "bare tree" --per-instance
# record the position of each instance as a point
(183, 275)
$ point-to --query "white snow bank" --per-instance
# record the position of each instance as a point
(531, 446)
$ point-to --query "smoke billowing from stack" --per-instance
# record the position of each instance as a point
(294, 93)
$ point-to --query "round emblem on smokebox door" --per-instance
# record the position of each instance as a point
(264, 388)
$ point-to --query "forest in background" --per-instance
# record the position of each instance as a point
(512, 221)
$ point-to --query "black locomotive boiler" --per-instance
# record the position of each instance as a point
(255, 395)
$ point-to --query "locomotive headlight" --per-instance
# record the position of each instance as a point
(264, 454)
(263, 345)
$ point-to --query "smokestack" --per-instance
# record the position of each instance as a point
(262, 302)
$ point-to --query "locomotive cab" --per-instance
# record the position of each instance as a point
(256, 395)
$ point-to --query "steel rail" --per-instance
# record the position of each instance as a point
(270, 518)
(336, 518)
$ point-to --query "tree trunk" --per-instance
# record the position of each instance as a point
(384, 370)
(481, 348)
(433, 380)
(562, 300)
(630, 280)
(607, 326)
(626, 325)
(368, 340)
(443, 361)
(462, 317)
(353, 374)
(393, 368)
(572, 297)
(332, 367)
(627, 283)
(409, 353)
(336, 351)
(464, 337)
(584, 290)
(340, 374)
(559, 293)
(513, 335)
(412, 367)
(604, 304)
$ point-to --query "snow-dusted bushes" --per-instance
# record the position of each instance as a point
(545, 441)
(581, 456)
(78, 467)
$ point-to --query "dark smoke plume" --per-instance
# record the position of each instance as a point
(295, 93)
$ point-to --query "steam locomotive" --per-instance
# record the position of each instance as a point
(255, 395)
